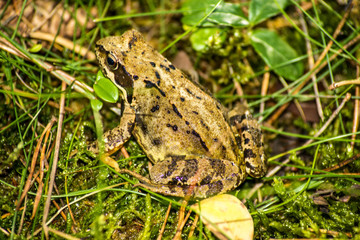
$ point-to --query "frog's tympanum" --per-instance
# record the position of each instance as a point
(197, 148)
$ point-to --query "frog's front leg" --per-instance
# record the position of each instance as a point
(194, 176)
(248, 135)
(114, 139)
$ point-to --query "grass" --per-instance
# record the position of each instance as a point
(312, 188)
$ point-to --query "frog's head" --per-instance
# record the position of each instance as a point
(115, 56)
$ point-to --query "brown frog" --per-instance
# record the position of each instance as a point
(198, 148)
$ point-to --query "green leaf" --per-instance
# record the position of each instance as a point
(203, 38)
(96, 104)
(35, 48)
(105, 89)
(196, 10)
(261, 10)
(276, 52)
(227, 14)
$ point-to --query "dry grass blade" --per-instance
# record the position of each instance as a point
(64, 42)
(317, 66)
(41, 170)
(56, 156)
(61, 75)
(164, 224)
(33, 162)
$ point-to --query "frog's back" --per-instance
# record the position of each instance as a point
(174, 116)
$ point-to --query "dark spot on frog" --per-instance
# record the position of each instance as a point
(174, 127)
(171, 167)
(247, 140)
(178, 180)
(158, 97)
(190, 92)
(135, 77)
(249, 166)
(204, 125)
(182, 99)
(215, 139)
(176, 110)
(149, 84)
(155, 108)
(142, 53)
(156, 141)
(218, 166)
(101, 48)
(172, 67)
(198, 97)
(168, 111)
(214, 188)
(203, 144)
(157, 75)
(153, 64)
(158, 83)
(124, 54)
(140, 123)
(206, 180)
(195, 112)
(187, 123)
(132, 42)
(237, 119)
(190, 169)
(248, 153)
(173, 86)
(166, 68)
(187, 131)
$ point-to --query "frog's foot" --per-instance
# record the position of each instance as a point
(105, 158)
(248, 134)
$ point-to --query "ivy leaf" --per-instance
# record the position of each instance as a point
(277, 53)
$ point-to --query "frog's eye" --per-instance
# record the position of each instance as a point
(111, 62)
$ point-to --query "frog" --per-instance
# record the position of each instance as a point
(196, 146)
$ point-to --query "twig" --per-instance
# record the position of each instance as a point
(343, 83)
(356, 110)
(264, 88)
(161, 232)
(343, 163)
(62, 234)
(311, 65)
(192, 229)
(55, 160)
(83, 51)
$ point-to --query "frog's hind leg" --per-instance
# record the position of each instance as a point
(249, 137)
(114, 139)
(196, 176)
